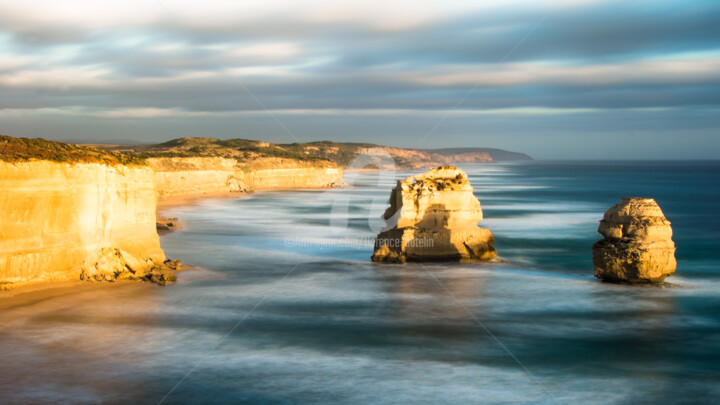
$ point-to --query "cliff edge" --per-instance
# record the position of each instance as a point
(67, 212)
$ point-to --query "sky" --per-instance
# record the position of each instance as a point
(558, 79)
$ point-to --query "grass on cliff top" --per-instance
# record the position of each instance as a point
(25, 149)
(230, 148)
(246, 150)
(341, 153)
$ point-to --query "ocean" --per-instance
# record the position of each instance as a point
(292, 311)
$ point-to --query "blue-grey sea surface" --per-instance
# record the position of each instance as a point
(291, 311)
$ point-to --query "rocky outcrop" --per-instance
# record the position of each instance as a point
(637, 245)
(111, 264)
(165, 225)
(433, 217)
(209, 175)
(61, 220)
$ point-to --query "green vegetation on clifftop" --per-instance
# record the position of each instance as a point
(240, 149)
(341, 153)
(248, 153)
(26, 149)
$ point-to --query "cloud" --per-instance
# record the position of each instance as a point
(342, 61)
(658, 72)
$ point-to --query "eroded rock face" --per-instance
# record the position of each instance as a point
(112, 264)
(54, 216)
(433, 217)
(178, 176)
(637, 245)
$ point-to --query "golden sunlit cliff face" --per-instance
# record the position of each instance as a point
(57, 217)
(199, 175)
(70, 212)
(177, 176)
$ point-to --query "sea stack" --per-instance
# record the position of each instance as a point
(433, 217)
(637, 245)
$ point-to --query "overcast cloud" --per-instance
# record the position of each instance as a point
(557, 79)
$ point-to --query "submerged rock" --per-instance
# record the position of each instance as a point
(433, 217)
(637, 245)
(165, 225)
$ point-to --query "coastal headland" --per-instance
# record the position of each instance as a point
(73, 210)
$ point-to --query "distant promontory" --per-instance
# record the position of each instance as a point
(342, 154)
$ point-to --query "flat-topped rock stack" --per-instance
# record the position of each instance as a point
(433, 217)
(637, 245)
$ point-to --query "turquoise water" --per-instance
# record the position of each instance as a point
(292, 310)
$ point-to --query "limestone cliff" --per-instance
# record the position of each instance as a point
(294, 177)
(197, 175)
(637, 245)
(58, 220)
(434, 216)
(207, 175)
(74, 212)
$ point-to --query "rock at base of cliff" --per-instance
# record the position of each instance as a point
(637, 246)
(433, 217)
(105, 265)
(165, 225)
(111, 264)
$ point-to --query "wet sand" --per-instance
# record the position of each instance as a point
(29, 300)
(32, 294)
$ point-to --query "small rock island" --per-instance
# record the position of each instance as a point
(433, 217)
(637, 245)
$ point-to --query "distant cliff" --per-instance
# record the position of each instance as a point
(206, 175)
(459, 155)
(322, 153)
(404, 159)
(61, 206)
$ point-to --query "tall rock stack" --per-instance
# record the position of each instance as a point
(433, 217)
(637, 245)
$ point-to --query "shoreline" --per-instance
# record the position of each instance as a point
(34, 293)
(46, 289)
(50, 289)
